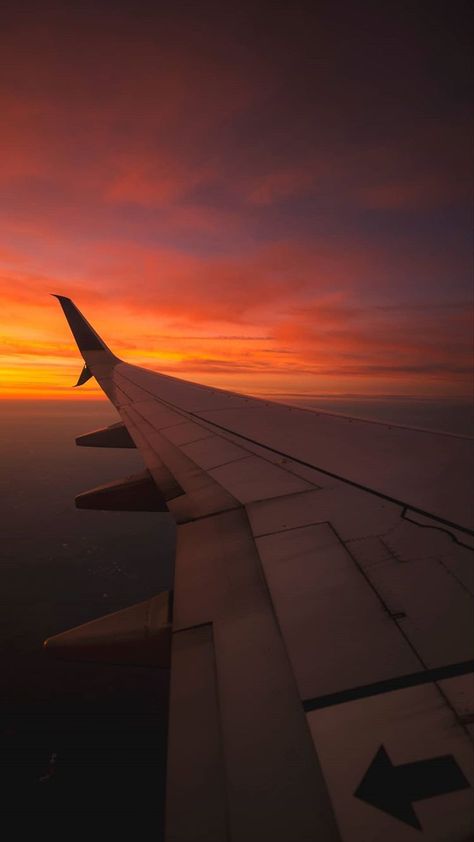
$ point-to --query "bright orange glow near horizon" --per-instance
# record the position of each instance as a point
(289, 360)
(257, 217)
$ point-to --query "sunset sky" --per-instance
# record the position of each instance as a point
(274, 201)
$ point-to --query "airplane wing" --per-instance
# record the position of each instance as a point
(319, 618)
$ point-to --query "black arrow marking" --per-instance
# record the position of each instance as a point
(393, 788)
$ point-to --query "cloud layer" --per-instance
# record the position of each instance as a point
(268, 203)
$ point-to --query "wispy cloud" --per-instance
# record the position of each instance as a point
(229, 199)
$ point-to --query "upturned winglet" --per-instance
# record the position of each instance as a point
(86, 337)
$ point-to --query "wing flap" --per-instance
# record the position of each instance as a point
(274, 788)
(347, 568)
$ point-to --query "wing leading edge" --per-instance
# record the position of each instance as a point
(315, 557)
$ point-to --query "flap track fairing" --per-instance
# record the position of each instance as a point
(139, 635)
(137, 493)
(116, 435)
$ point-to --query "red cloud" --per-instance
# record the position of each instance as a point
(184, 175)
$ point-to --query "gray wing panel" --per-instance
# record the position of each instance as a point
(427, 471)
(414, 757)
(377, 617)
(388, 597)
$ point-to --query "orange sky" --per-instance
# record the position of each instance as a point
(276, 216)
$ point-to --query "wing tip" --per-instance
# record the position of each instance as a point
(86, 337)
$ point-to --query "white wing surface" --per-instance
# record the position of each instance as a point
(320, 616)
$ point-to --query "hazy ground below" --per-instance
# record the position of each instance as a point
(76, 739)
